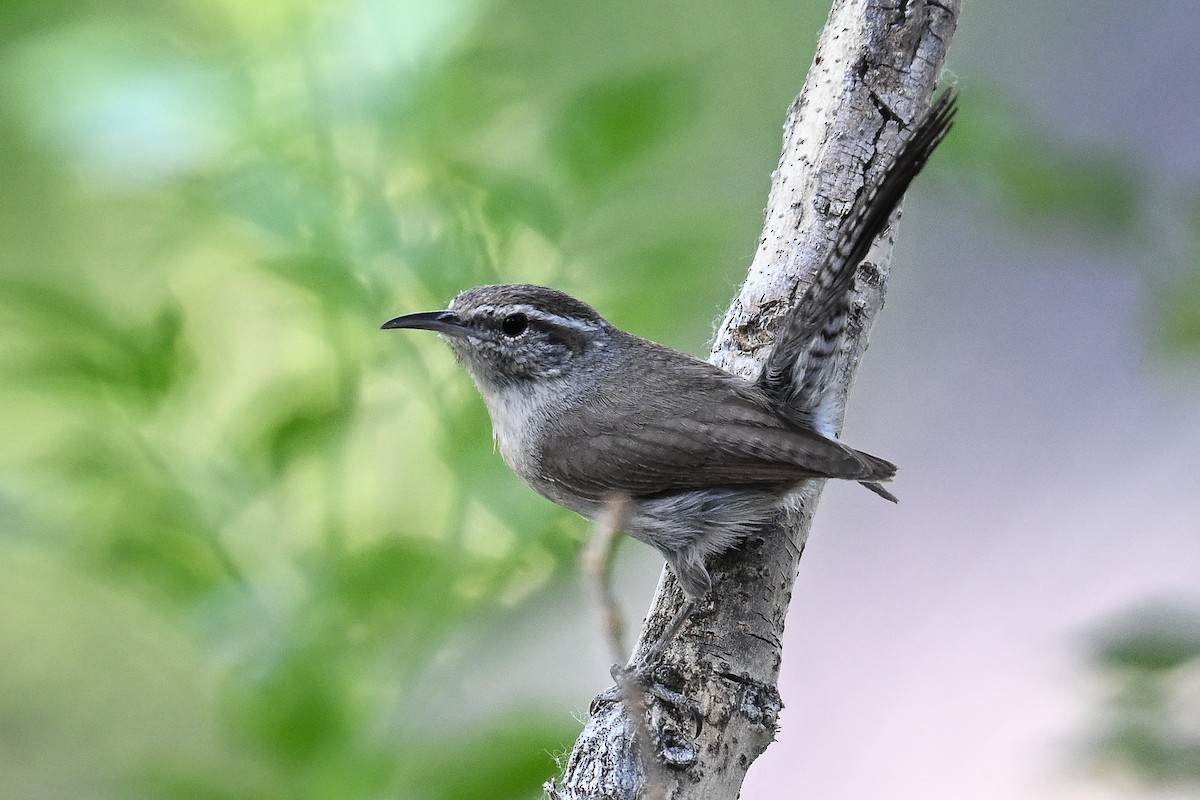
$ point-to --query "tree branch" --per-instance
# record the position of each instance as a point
(875, 71)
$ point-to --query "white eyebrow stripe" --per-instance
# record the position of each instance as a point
(541, 314)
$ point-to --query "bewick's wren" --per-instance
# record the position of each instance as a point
(585, 412)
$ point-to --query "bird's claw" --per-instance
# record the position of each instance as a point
(641, 678)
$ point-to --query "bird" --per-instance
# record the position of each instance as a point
(587, 414)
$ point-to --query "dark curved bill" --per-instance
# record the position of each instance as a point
(440, 321)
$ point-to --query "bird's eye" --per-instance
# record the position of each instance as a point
(514, 325)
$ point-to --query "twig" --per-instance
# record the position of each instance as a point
(597, 566)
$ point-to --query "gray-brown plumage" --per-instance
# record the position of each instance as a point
(585, 412)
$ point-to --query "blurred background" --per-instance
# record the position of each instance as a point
(253, 547)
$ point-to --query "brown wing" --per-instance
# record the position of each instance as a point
(700, 427)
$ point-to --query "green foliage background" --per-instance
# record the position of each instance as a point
(239, 526)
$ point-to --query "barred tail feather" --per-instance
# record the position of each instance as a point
(878, 489)
(797, 372)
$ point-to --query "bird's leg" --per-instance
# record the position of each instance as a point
(641, 675)
(687, 565)
(643, 668)
(654, 653)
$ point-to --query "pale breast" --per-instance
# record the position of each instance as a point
(520, 419)
(516, 413)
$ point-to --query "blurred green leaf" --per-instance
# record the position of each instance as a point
(387, 587)
(1180, 318)
(1150, 658)
(509, 760)
(276, 197)
(330, 279)
(142, 522)
(999, 144)
(1179, 328)
(607, 125)
(292, 421)
(1150, 640)
(73, 343)
(514, 203)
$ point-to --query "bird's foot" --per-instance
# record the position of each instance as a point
(640, 680)
(640, 684)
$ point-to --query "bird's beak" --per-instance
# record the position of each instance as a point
(446, 322)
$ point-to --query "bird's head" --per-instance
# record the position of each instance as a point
(510, 333)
